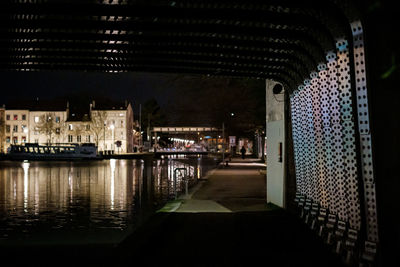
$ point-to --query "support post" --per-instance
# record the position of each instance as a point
(223, 144)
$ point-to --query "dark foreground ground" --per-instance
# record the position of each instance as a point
(224, 223)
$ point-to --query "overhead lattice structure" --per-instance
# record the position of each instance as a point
(284, 40)
(314, 48)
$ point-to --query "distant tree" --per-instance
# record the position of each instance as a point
(152, 115)
(98, 118)
(79, 130)
(239, 103)
(47, 125)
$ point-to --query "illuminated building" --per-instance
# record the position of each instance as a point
(109, 125)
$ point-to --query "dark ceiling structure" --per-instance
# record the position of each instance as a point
(280, 40)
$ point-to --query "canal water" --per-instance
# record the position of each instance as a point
(87, 202)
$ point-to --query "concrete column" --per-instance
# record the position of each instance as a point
(275, 146)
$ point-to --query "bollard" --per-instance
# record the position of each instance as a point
(175, 193)
(187, 186)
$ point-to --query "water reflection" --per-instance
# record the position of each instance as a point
(41, 200)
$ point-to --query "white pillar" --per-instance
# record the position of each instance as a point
(275, 146)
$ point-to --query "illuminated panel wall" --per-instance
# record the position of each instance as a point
(332, 139)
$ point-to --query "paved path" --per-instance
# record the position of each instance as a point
(229, 189)
(226, 222)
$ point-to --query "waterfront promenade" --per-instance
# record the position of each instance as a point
(223, 221)
(226, 222)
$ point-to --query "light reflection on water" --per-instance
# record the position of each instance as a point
(95, 201)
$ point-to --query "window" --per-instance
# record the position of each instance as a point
(23, 139)
(70, 138)
(37, 141)
(15, 140)
(58, 119)
(7, 139)
(78, 138)
(36, 131)
(24, 129)
(70, 127)
(15, 128)
(15, 117)
(8, 117)
(122, 123)
(37, 119)
(88, 127)
(24, 117)
(8, 128)
(87, 138)
(57, 130)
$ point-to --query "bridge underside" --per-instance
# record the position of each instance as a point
(315, 49)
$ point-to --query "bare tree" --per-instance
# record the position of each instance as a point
(78, 131)
(47, 125)
(98, 118)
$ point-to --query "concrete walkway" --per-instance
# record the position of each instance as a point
(226, 222)
(229, 189)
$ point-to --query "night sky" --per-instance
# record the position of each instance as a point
(135, 87)
(184, 99)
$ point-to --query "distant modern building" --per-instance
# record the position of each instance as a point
(109, 125)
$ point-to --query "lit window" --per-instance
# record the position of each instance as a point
(58, 119)
(23, 117)
(37, 119)
(70, 127)
(15, 117)
(23, 139)
(57, 130)
(8, 117)
(8, 139)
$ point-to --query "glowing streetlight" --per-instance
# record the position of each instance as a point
(26, 133)
(112, 129)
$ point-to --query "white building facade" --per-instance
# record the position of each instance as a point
(118, 128)
(16, 126)
(34, 134)
(110, 128)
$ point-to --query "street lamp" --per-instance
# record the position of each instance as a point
(112, 129)
(26, 133)
(104, 137)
